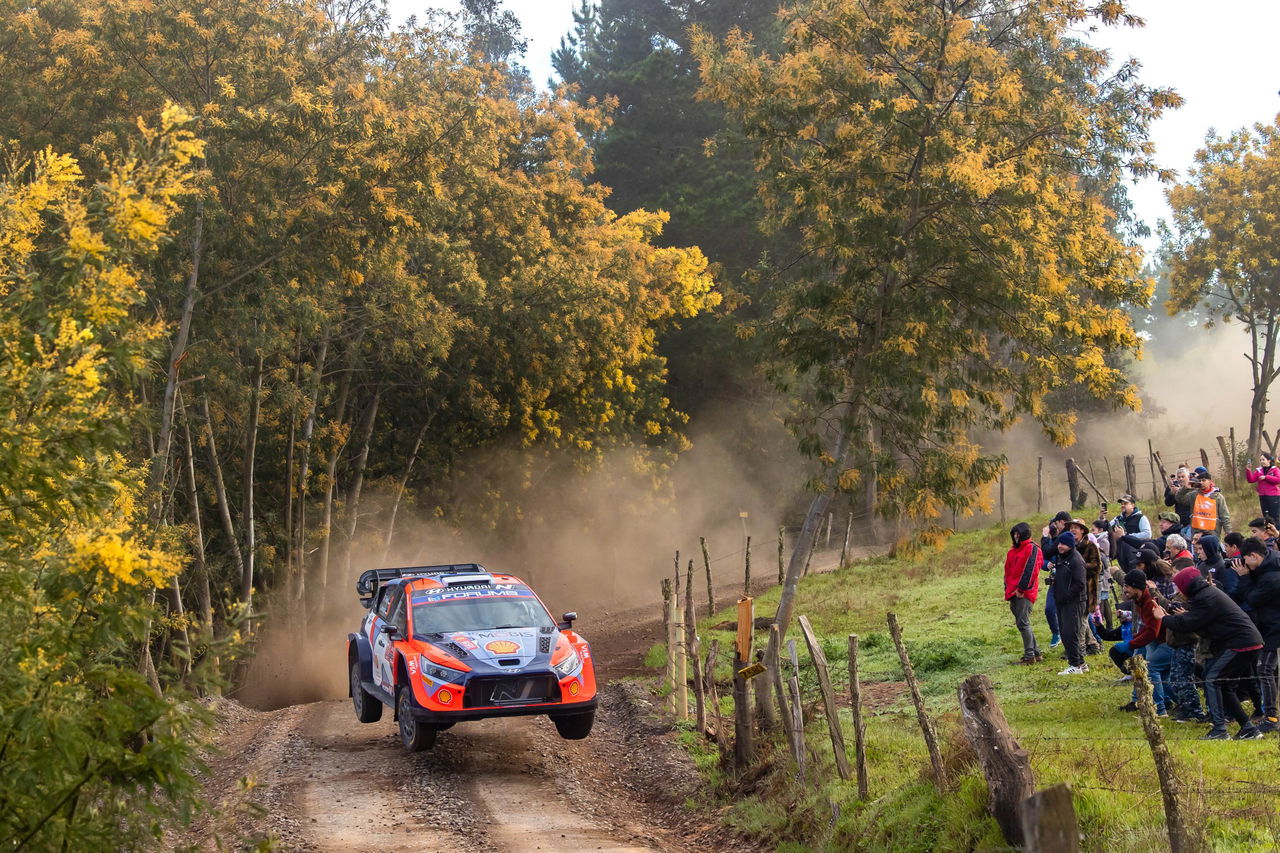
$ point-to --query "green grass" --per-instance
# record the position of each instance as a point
(955, 623)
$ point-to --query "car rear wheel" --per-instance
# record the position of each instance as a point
(368, 708)
(416, 736)
(576, 726)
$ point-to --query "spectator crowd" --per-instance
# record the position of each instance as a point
(1197, 600)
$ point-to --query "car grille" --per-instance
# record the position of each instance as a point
(484, 691)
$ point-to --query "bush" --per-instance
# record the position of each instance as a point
(938, 655)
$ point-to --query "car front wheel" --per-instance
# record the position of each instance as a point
(575, 726)
(416, 736)
(368, 708)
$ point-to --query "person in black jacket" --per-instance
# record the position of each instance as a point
(1234, 642)
(1049, 547)
(1259, 587)
(1069, 595)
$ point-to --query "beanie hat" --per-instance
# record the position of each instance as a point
(1182, 580)
(1136, 578)
(1171, 517)
(1067, 538)
(1062, 516)
(1175, 543)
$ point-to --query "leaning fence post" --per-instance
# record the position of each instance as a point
(691, 653)
(926, 726)
(706, 561)
(859, 727)
(782, 531)
(828, 697)
(773, 668)
(1181, 839)
(1005, 764)
(669, 635)
(742, 746)
(797, 708)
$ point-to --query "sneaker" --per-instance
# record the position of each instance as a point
(1054, 641)
(1268, 726)
(1084, 667)
(1129, 706)
(1216, 734)
(1191, 717)
(1072, 670)
(1249, 732)
(1163, 714)
(1124, 679)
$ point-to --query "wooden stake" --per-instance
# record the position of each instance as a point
(797, 708)
(1155, 484)
(859, 728)
(713, 693)
(669, 632)
(1180, 837)
(848, 531)
(926, 726)
(1049, 822)
(1235, 461)
(1130, 475)
(1005, 764)
(828, 697)
(1204, 458)
(1086, 478)
(781, 534)
(693, 646)
(1039, 484)
(742, 745)
(1073, 484)
(773, 671)
(746, 576)
(1002, 516)
(706, 562)
(1111, 483)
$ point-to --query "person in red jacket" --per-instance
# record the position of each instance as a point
(1021, 585)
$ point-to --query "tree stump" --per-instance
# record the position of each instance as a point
(1005, 764)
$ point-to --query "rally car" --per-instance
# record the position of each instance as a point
(445, 644)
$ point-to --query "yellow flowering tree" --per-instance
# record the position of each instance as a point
(952, 169)
(92, 756)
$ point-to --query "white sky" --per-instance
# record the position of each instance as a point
(1221, 57)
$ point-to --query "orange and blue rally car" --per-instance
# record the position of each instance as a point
(446, 644)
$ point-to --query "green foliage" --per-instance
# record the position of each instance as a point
(656, 657)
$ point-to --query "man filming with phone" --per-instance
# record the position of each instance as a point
(1134, 529)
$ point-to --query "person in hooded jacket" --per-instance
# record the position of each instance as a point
(1209, 560)
(1021, 585)
(1233, 641)
(1049, 548)
(1148, 640)
(1092, 573)
(1069, 592)
(1259, 587)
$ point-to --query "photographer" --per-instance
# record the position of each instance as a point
(1049, 550)
(1179, 480)
(1208, 505)
(1135, 528)
(1259, 588)
(1266, 477)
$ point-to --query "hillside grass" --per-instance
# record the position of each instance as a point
(955, 623)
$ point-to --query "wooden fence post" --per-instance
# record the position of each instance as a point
(692, 648)
(781, 534)
(1130, 475)
(682, 653)
(1073, 484)
(746, 575)
(1181, 839)
(1235, 460)
(1005, 764)
(706, 561)
(1039, 484)
(742, 746)
(1155, 484)
(1049, 822)
(859, 728)
(669, 635)
(1111, 483)
(797, 707)
(1204, 459)
(848, 531)
(773, 671)
(828, 697)
(926, 726)
(1002, 516)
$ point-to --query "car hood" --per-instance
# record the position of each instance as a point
(525, 645)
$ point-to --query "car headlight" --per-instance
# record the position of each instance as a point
(570, 666)
(440, 672)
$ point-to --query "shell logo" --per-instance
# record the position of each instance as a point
(444, 697)
(573, 689)
(503, 647)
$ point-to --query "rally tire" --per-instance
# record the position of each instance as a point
(368, 708)
(575, 726)
(414, 734)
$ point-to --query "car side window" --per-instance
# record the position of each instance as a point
(389, 600)
(398, 615)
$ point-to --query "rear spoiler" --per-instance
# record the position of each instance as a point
(368, 582)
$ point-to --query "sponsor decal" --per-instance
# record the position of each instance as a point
(573, 688)
(465, 641)
(503, 647)
(444, 696)
(413, 666)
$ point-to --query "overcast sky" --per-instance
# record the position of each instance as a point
(1221, 57)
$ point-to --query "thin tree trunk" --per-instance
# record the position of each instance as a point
(308, 429)
(357, 480)
(344, 388)
(250, 452)
(220, 491)
(204, 599)
(402, 486)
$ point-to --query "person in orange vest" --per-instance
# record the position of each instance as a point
(1209, 513)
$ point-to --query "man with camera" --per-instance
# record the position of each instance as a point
(1208, 505)
(1134, 528)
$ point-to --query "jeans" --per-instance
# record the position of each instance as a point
(1021, 609)
(1120, 654)
(1051, 612)
(1182, 681)
(1069, 620)
(1159, 661)
(1219, 673)
(1267, 666)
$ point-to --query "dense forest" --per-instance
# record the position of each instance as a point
(259, 260)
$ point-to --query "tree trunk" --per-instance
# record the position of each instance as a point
(402, 486)
(250, 452)
(204, 599)
(357, 479)
(220, 490)
(331, 471)
(299, 546)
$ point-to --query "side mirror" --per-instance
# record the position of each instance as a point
(389, 630)
(568, 619)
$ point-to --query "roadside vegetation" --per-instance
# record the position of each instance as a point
(955, 623)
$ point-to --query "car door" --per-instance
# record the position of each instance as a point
(383, 648)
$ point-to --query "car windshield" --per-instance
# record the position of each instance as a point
(479, 614)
